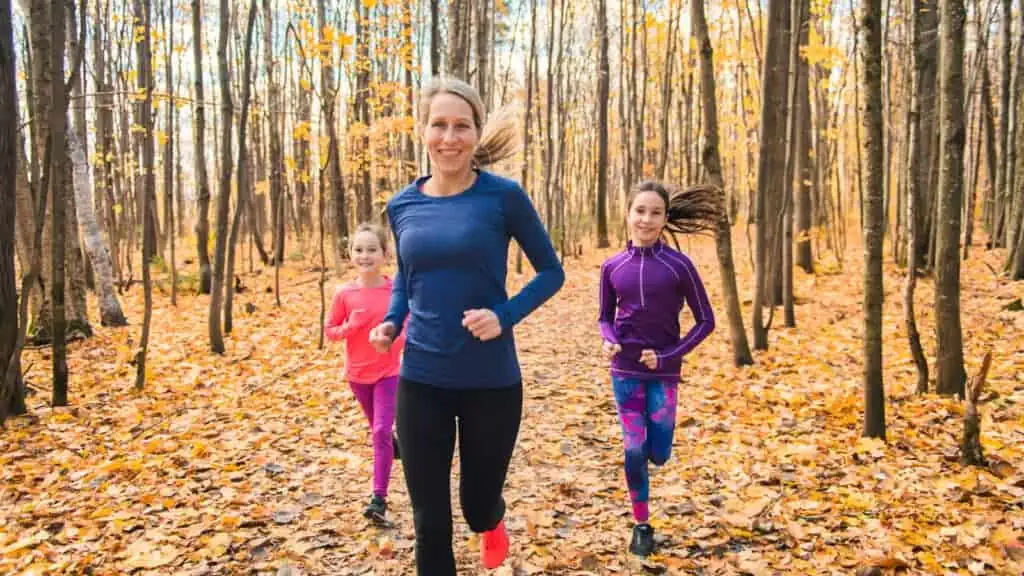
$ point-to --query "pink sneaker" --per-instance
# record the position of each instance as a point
(494, 546)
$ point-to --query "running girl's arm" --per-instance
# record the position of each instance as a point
(606, 319)
(700, 306)
(337, 327)
(524, 225)
(398, 309)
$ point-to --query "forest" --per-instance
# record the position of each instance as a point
(179, 183)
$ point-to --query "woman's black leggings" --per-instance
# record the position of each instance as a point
(487, 421)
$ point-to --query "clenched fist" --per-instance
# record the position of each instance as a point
(382, 336)
(482, 323)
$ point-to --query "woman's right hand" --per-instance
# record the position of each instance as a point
(382, 336)
(610, 349)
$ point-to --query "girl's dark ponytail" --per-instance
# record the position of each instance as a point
(693, 210)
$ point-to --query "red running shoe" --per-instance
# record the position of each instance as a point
(494, 546)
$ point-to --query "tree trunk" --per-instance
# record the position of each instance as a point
(169, 227)
(58, 181)
(991, 153)
(276, 156)
(106, 152)
(409, 64)
(244, 193)
(926, 69)
(328, 104)
(435, 38)
(199, 144)
(666, 95)
(483, 49)
(12, 396)
(143, 9)
(914, 202)
(803, 167)
(874, 227)
(603, 77)
(110, 308)
(1014, 205)
(950, 375)
(772, 155)
(458, 39)
(1016, 257)
(300, 141)
(362, 151)
(227, 114)
(1001, 191)
(712, 163)
(794, 147)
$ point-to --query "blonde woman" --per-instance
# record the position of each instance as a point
(460, 373)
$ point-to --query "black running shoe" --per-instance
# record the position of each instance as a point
(642, 543)
(377, 509)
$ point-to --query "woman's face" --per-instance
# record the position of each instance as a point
(450, 134)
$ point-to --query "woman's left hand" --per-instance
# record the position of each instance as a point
(482, 323)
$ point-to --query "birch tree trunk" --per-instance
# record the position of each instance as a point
(110, 308)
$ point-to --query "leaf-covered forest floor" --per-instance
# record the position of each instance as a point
(259, 461)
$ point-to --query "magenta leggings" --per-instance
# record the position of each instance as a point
(378, 403)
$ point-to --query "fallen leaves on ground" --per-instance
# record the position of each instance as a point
(259, 461)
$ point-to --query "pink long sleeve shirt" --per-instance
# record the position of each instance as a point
(355, 311)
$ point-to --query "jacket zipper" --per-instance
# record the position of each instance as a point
(642, 304)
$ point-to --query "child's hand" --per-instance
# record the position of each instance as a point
(649, 358)
(610, 349)
(382, 336)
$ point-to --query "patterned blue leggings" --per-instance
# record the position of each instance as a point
(647, 412)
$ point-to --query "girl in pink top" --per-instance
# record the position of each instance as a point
(357, 307)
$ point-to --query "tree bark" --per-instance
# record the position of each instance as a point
(926, 69)
(328, 104)
(914, 202)
(58, 181)
(1001, 191)
(874, 227)
(12, 396)
(458, 39)
(227, 114)
(794, 147)
(110, 308)
(169, 227)
(435, 38)
(712, 163)
(950, 375)
(803, 167)
(483, 51)
(199, 143)
(244, 193)
(666, 94)
(603, 77)
(1016, 256)
(772, 155)
(276, 156)
(143, 8)
(362, 153)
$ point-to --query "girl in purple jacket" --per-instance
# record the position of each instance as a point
(643, 289)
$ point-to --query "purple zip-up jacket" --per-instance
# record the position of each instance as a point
(643, 290)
